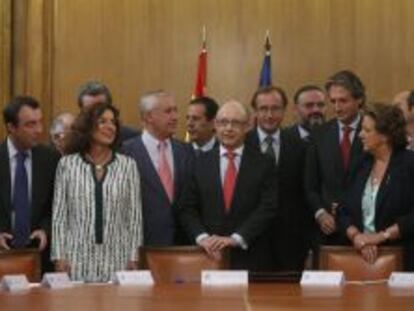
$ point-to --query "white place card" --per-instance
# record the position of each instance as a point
(15, 283)
(136, 277)
(224, 277)
(322, 278)
(56, 280)
(401, 279)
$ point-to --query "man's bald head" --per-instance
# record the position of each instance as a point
(401, 101)
(232, 124)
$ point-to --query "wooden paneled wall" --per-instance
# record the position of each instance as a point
(5, 54)
(139, 45)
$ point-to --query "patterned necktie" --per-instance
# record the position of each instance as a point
(20, 203)
(164, 171)
(346, 146)
(197, 152)
(270, 151)
(229, 180)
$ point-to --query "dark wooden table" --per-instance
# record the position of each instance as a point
(187, 297)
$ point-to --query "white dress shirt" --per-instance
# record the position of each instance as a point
(13, 163)
(207, 146)
(224, 161)
(264, 145)
(303, 133)
(353, 125)
(152, 145)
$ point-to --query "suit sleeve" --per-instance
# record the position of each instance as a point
(406, 222)
(189, 208)
(262, 217)
(313, 179)
(46, 217)
(345, 219)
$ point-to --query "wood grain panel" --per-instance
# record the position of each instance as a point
(5, 55)
(32, 53)
(139, 45)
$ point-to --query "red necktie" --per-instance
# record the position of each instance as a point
(229, 180)
(346, 145)
(164, 171)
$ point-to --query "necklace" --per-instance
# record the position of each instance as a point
(99, 167)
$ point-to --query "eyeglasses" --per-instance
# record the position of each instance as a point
(232, 123)
(310, 105)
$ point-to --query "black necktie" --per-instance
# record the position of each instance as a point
(21, 203)
(270, 151)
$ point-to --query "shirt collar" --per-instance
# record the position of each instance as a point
(207, 146)
(303, 133)
(353, 125)
(262, 135)
(13, 150)
(238, 151)
(151, 140)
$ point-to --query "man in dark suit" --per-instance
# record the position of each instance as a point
(27, 172)
(164, 165)
(201, 113)
(288, 235)
(310, 108)
(334, 150)
(93, 92)
(231, 198)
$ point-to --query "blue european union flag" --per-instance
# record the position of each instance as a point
(266, 72)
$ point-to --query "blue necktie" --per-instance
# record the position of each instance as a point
(21, 203)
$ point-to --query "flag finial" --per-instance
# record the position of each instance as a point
(268, 44)
(204, 36)
(266, 72)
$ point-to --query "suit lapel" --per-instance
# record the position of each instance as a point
(253, 139)
(361, 182)
(151, 174)
(216, 178)
(284, 149)
(5, 178)
(386, 182)
(177, 167)
(36, 182)
(334, 146)
(242, 178)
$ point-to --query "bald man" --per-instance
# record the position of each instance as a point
(59, 129)
(405, 101)
(231, 199)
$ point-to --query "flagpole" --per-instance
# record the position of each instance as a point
(204, 37)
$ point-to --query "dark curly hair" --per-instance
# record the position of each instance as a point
(390, 122)
(80, 137)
